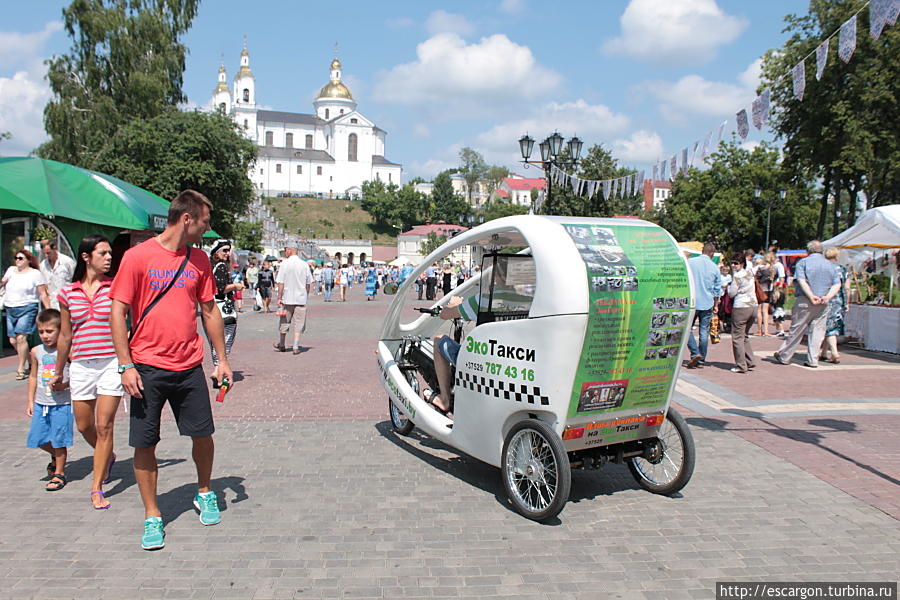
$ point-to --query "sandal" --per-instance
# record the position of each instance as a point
(278, 347)
(20, 375)
(56, 483)
(100, 492)
(51, 468)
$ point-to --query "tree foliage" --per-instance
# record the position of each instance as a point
(185, 150)
(473, 169)
(494, 176)
(503, 209)
(431, 243)
(598, 164)
(395, 206)
(248, 236)
(719, 203)
(126, 62)
(846, 130)
(445, 204)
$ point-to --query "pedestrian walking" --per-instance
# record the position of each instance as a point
(56, 268)
(743, 313)
(327, 281)
(163, 360)
(294, 281)
(86, 347)
(446, 279)
(817, 281)
(431, 281)
(49, 404)
(837, 308)
(26, 292)
(371, 283)
(707, 289)
(226, 288)
(265, 283)
(765, 275)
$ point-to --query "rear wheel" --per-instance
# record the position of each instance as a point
(399, 421)
(671, 464)
(536, 473)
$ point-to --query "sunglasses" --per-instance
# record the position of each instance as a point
(735, 263)
(20, 258)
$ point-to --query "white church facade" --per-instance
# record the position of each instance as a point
(329, 153)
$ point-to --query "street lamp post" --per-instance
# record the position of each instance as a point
(757, 192)
(550, 148)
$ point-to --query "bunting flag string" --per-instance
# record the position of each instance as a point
(877, 16)
(847, 39)
(798, 74)
(607, 186)
(743, 128)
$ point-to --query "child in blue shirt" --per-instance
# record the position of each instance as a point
(50, 408)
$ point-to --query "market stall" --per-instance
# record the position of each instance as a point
(876, 235)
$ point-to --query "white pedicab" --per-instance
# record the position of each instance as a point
(570, 345)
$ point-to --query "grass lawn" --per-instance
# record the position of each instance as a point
(329, 218)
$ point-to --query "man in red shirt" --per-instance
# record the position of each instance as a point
(162, 361)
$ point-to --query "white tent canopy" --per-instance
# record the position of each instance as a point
(877, 229)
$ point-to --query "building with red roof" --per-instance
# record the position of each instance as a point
(409, 243)
(518, 189)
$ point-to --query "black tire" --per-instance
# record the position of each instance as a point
(535, 470)
(678, 451)
(401, 423)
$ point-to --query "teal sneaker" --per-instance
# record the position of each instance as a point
(208, 505)
(154, 536)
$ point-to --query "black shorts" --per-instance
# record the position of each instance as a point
(264, 291)
(188, 396)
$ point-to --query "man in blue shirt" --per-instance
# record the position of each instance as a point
(817, 281)
(431, 281)
(707, 289)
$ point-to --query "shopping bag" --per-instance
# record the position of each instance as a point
(714, 337)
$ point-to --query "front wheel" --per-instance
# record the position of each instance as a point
(401, 423)
(536, 473)
(672, 465)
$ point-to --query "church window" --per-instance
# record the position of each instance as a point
(351, 147)
(390, 178)
(309, 141)
(289, 140)
(326, 114)
(330, 178)
(245, 123)
(222, 106)
(299, 169)
(278, 168)
(246, 95)
(318, 170)
(354, 120)
(342, 111)
(270, 138)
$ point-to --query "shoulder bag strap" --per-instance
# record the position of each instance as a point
(187, 257)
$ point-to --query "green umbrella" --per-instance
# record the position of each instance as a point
(48, 187)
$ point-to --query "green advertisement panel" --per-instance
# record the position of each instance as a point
(639, 308)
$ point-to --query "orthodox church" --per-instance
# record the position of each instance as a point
(329, 153)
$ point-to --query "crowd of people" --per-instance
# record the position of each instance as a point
(746, 296)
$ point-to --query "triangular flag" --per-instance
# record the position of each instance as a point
(847, 40)
(694, 152)
(721, 132)
(705, 150)
(662, 170)
(607, 185)
(821, 59)
(655, 173)
(684, 158)
(615, 187)
(641, 183)
(877, 13)
(743, 128)
(630, 185)
(760, 109)
(673, 166)
(891, 12)
(592, 188)
(798, 74)
(575, 181)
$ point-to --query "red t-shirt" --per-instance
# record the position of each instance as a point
(167, 338)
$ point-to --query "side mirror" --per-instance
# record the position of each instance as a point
(390, 288)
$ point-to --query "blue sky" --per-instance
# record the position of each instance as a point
(643, 77)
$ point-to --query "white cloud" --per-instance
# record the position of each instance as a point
(694, 95)
(674, 31)
(512, 7)
(440, 21)
(450, 72)
(421, 130)
(641, 147)
(17, 49)
(23, 90)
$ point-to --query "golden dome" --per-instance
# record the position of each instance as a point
(335, 64)
(335, 89)
(222, 87)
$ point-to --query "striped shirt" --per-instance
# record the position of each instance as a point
(91, 336)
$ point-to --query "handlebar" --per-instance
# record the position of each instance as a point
(430, 311)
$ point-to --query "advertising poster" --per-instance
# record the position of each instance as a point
(639, 307)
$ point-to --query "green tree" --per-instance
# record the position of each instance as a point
(846, 130)
(446, 205)
(598, 164)
(185, 150)
(410, 207)
(494, 176)
(503, 209)
(248, 236)
(473, 169)
(378, 200)
(126, 62)
(719, 203)
(431, 243)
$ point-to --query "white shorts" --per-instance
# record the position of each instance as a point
(95, 377)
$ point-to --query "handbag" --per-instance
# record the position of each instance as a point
(714, 337)
(761, 295)
(134, 327)
(226, 307)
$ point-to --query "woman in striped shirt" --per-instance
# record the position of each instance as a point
(86, 340)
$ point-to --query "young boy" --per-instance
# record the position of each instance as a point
(50, 409)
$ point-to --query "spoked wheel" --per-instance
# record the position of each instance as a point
(672, 462)
(536, 473)
(399, 421)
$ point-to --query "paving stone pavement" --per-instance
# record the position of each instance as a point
(321, 500)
